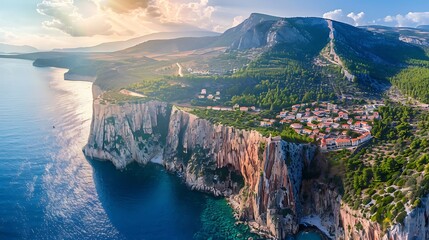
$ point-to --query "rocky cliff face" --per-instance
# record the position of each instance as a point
(128, 132)
(271, 168)
(415, 226)
(261, 176)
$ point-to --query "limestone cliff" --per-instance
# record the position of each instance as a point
(127, 132)
(261, 176)
(271, 168)
(415, 226)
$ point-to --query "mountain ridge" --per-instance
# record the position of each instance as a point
(121, 45)
(9, 48)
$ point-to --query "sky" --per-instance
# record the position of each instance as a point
(48, 24)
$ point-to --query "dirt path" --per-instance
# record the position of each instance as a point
(336, 59)
(131, 93)
(180, 69)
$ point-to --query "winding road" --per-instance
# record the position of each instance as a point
(180, 69)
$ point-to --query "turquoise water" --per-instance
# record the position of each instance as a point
(49, 190)
(308, 236)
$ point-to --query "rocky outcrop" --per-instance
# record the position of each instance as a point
(416, 224)
(127, 132)
(414, 227)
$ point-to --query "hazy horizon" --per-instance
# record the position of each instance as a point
(50, 24)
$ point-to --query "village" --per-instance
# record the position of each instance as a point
(333, 126)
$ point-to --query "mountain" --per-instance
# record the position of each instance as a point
(170, 45)
(7, 48)
(120, 45)
(417, 36)
(187, 44)
(424, 27)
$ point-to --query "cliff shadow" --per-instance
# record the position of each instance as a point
(146, 202)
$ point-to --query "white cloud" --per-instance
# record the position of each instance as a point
(336, 14)
(357, 18)
(237, 20)
(80, 18)
(410, 19)
(198, 13)
(66, 17)
(7, 36)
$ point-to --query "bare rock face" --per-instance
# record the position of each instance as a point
(128, 132)
(271, 168)
(416, 224)
(262, 177)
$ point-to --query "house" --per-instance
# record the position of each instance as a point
(345, 126)
(304, 119)
(217, 98)
(210, 96)
(358, 124)
(283, 114)
(217, 93)
(323, 145)
(203, 91)
(312, 118)
(343, 115)
(296, 125)
(290, 117)
(313, 126)
(236, 106)
(330, 141)
(201, 96)
(299, 116)
(332, 106)
(265, 124)
(343, 142)
(307, 131)
(283, 121)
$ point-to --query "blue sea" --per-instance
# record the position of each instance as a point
(49, 190)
